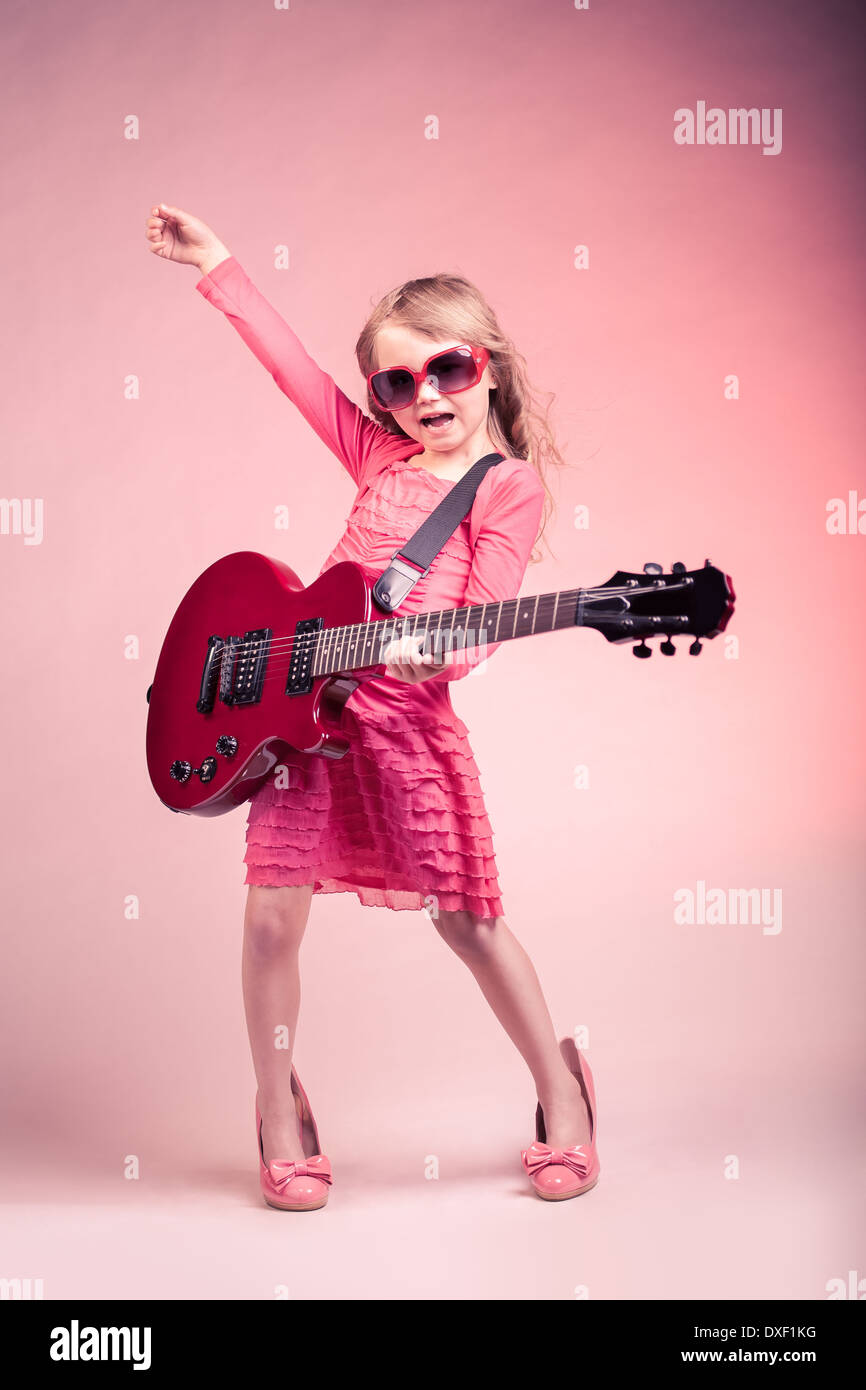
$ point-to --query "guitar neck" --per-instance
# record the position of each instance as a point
(475, 626)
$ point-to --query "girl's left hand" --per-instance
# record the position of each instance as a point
(404, 661)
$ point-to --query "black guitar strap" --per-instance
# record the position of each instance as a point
(413, 560)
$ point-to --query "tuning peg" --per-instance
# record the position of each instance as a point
(667, 647)
(678, 567)
(695, 649)
(643, 650)
(652, 568)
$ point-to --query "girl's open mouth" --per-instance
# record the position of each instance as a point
(436, 422)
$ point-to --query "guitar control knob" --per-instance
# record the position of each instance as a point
(678, 567)
(208, 769)
(227, 744)
(180, 770)
(643, 650)
(651, 567)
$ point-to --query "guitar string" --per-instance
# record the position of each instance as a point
(276, 670)
(359, 659)
(287, 641)
(283, 644)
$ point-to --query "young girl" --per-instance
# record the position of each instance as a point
(400, 819)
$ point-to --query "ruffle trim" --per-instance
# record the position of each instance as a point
(374, 734)
(383, 507)
(437, 858)
(407, 508)
(425, 810)
(451, 735)
(337, 878)
(410, 783)
(394, 762)
(379, 523)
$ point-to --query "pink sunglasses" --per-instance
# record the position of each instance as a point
(455, 369)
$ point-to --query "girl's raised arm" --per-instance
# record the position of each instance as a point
(354, 437)
(360, 443)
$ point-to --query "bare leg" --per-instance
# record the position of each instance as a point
(274, 923)
(507, 979)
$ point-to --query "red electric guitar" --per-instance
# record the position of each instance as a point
(254, 664)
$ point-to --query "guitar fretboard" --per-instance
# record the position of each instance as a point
(360, 645)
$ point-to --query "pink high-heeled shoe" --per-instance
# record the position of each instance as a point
(559, 1173)
(296, 1186)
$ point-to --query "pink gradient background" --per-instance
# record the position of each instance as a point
(306, 128)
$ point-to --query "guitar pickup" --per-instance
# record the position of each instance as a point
(243, 665)
(300, 677)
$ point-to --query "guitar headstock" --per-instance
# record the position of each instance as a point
(632, 607)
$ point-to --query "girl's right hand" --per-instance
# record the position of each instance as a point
(179, 236)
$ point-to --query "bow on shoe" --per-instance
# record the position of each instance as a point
(539, 1155)
(282, 1171)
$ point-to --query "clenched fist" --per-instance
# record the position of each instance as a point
(179, 236)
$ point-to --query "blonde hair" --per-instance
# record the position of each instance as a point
(450, 306)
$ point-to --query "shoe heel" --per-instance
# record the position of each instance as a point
(309, 1130)
(578, 1065)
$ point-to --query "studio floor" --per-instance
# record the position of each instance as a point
(664, 1222)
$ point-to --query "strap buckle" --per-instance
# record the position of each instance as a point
(393, 585)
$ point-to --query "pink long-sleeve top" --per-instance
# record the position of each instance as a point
(483, 562)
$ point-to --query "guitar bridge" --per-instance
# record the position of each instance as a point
(209, 676)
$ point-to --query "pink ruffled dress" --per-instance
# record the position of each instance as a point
(400, 820)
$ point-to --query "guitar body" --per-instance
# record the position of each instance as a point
(242, 593)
